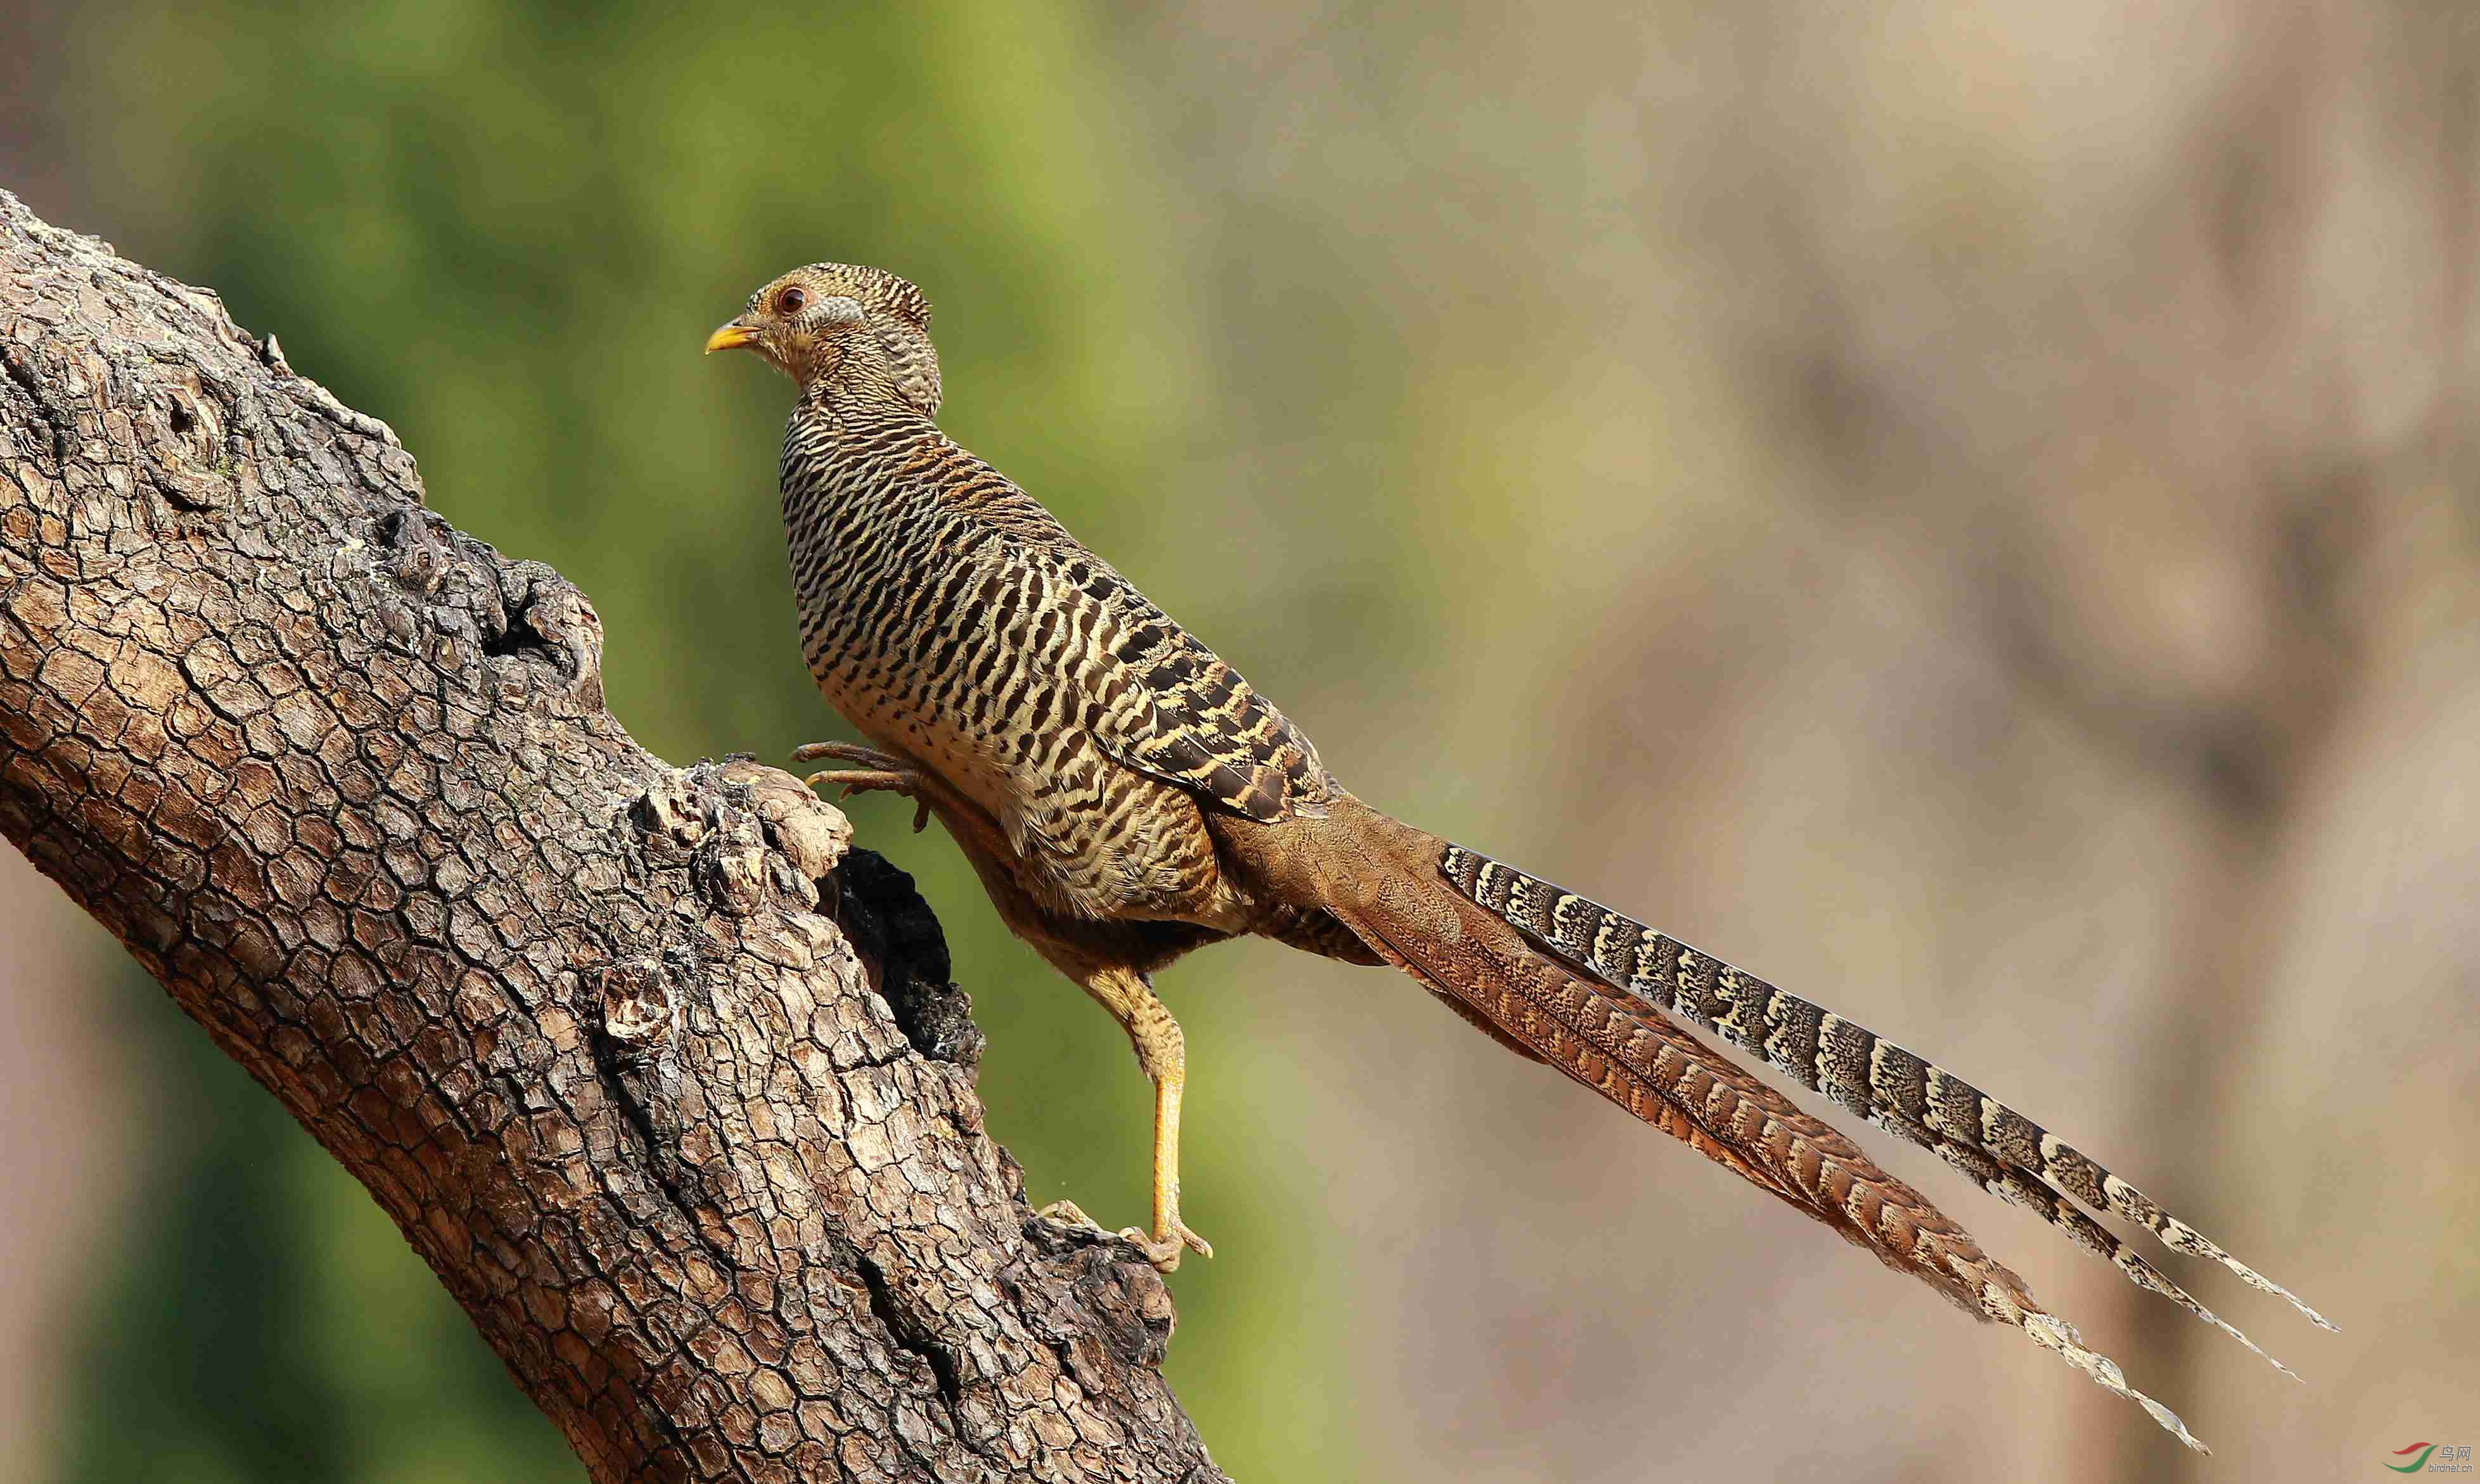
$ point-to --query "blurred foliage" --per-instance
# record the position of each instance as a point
(504, 229)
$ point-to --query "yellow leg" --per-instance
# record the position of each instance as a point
(1162, 1052)
(1169, 1229)
(1161, 1049)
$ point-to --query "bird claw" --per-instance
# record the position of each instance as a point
(1163, 1250)
(879, 773)
(849, 752)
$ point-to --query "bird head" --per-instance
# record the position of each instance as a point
(838, 324)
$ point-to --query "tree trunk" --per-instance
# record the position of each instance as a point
(665, 1084)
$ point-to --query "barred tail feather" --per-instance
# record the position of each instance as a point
(2021, 1188)
(1870, 1075)
(1377, 876)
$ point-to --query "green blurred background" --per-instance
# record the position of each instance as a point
(1965, 509)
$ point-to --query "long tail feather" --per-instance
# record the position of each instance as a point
(1824, 1052)
(2019, 1187)
(1377, 876)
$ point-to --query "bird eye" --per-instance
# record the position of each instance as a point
(790, 300)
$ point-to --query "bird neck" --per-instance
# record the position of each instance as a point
(844, 457)
(853, 404)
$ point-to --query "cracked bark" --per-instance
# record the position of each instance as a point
(663, 1081)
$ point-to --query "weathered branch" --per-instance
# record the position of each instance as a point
(593, 1030)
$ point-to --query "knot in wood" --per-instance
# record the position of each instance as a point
(668, 811)
(744, 830)
(1116, 1306)
(180, 433)
(636, 1003)
(549, 624)
(812, 833)
(730, 866)
(516, 628)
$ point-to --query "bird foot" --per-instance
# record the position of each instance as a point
(1163, 1249)
(879, 773)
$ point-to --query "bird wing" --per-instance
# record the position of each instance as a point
(1161, 702)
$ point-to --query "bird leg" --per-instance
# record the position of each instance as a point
(880, 772)
(1161, 1049)
(1162, 1052)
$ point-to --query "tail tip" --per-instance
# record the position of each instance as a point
(2053, 1333)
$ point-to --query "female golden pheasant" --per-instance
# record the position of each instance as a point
(1126, 797)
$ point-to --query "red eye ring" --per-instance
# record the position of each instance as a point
(790, 300)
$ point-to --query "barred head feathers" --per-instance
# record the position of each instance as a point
(834, 322)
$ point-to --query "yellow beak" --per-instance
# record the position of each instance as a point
(730, 336)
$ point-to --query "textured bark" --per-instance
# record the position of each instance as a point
(667, 1088)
